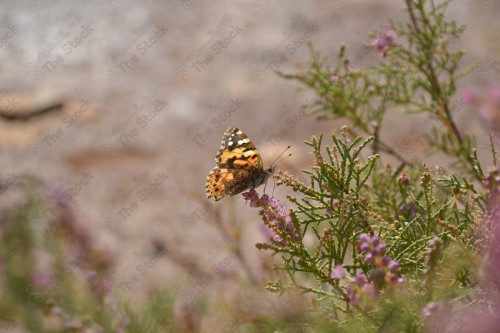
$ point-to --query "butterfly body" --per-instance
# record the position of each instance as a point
(239, 167)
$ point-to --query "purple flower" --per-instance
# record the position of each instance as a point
(397, 279)
(270, 215)
(429, 309)
(380, 249)
(274, 202)
(335, 203)
(363, 247)
(105, 286)
(370, 290)
(391, 36)
(338, 272)
(280, 211)
(352, 295)
(265, 199)
(360, 279)
(123, 322)
(381, 43)
(369, 257)
(364, 238)
(386, 260)
(393, 266)
(273, 211)
(404, 180)
(253, 197)
(377, 277)
(267, 231)
(250, 195)
(42, 279)
(334, 79)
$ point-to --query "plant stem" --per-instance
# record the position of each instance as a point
(444, 113)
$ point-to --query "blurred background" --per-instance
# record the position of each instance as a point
(116, 109)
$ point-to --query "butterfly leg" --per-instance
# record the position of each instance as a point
(274, 187)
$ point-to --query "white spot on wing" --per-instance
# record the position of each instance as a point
(230, 143)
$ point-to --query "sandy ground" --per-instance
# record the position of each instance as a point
(149, 88)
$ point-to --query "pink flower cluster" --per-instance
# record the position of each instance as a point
(382, 276)
(382, 42)
(276, 218)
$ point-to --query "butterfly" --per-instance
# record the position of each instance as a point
(239, 167)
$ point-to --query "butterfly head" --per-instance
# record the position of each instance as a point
(269, 172)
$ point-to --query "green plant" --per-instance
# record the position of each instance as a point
(375, 242)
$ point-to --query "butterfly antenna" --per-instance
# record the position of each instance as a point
(277, 158)
(270, 173)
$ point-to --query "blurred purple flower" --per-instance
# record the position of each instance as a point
(483, 316)
(369, 257)
(334, 79)
(429, 309)
(42, 280)
(492, 267)
(370, 290)
(100, 287)
(386, 262)
(264, 199)
(252, 196)
(276, 216)
(488, 105)
(380, 249)
(393, 266)
(42, 274)
(105, 286)
(274, 202)
(381, 43)
(123, 322)
(363, 247)
(268, 232)
(404, 180)
(338, 272)
(364, 238)
(352, 295)
(493, 93)
(469, 96)
(360, 279)
(384, 273)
